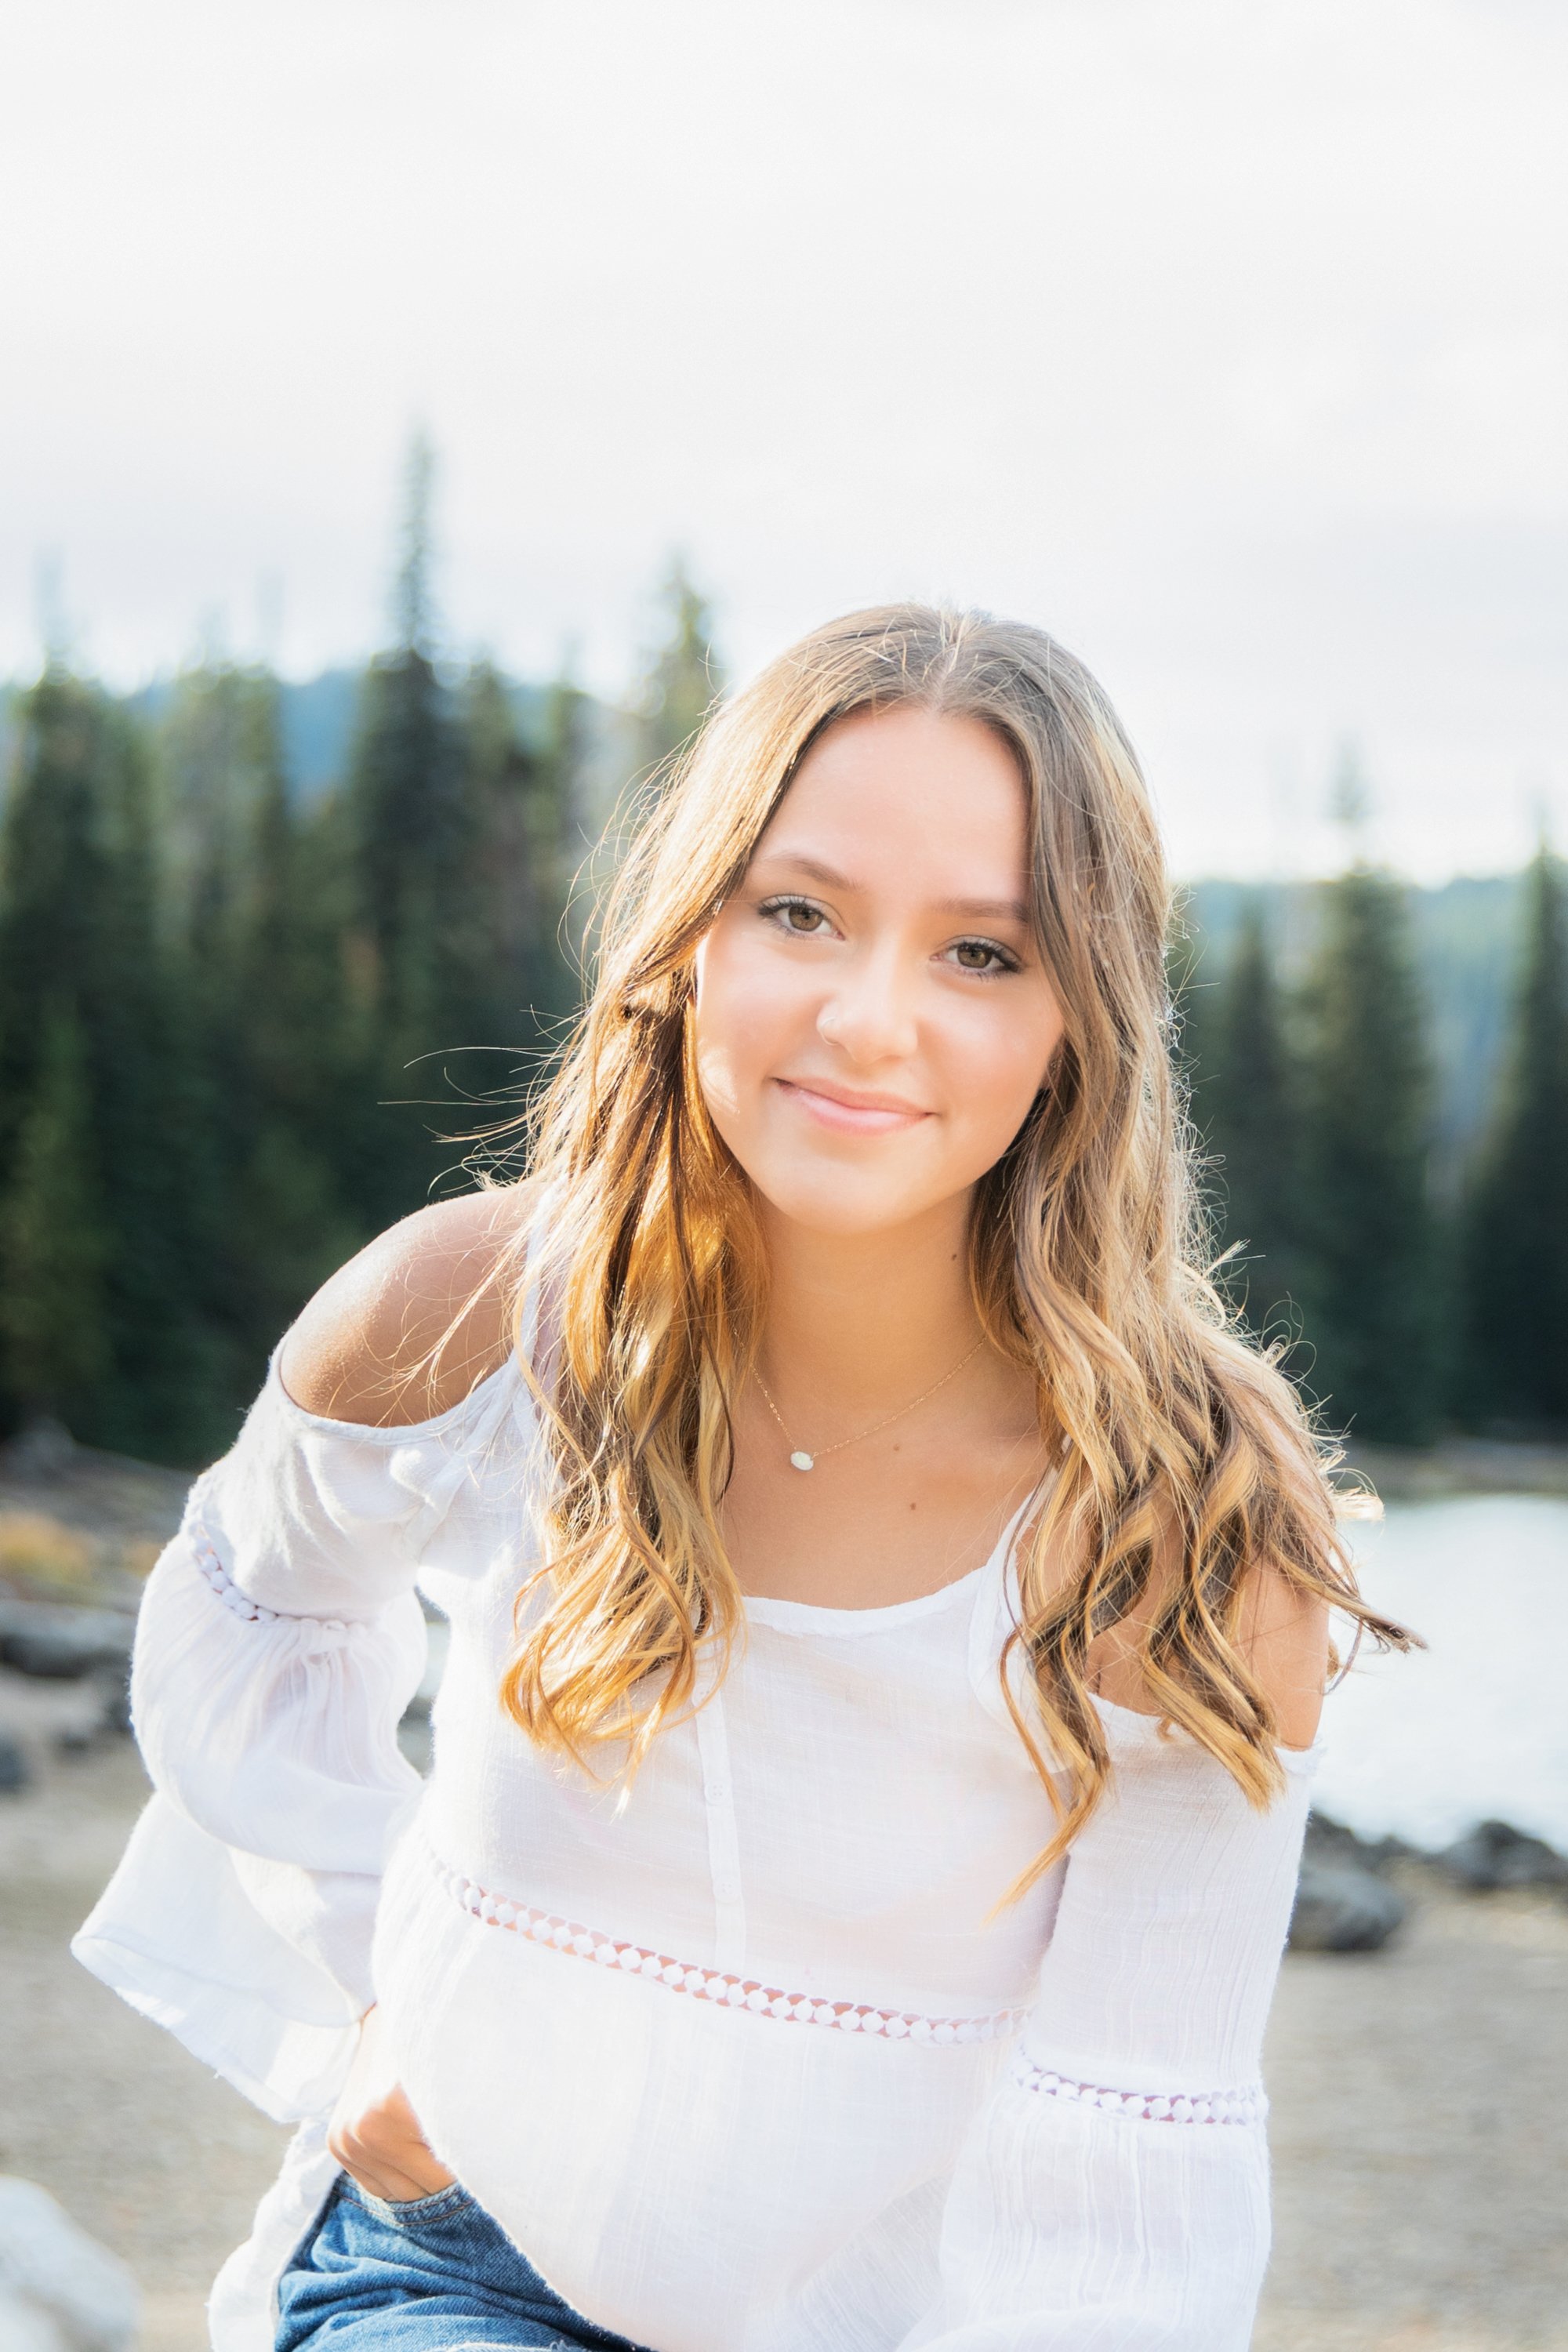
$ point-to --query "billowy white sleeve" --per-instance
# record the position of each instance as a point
(1113, 2193)
(279, 1640)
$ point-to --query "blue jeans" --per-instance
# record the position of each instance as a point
(433, 2275)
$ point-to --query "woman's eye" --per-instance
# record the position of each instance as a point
(982, 956)
(796, 915)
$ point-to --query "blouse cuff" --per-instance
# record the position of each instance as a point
(177, 1934)
(1072, 2229)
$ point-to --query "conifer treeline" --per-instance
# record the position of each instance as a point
(1403, 1311)
(237, 1035)
(234, 1029)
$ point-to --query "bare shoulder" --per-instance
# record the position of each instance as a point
(1282, 1634)
(407, 1328)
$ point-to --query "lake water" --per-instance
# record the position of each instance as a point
(1477, 1726)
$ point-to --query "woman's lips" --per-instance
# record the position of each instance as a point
(849, 1113)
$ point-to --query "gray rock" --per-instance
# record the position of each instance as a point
(1495, 1855)
(1340, 1907)
(1328, 1841)
(13, 1772)
(45, 1449)
(110, 1721)
(63, 1644)
(115, 1720)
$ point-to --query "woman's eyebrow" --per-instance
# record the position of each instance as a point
(1007, 910)
(1013, 910)
(828, 874)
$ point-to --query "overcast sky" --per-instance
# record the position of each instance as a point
(1226, 338)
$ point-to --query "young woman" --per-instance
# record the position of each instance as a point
(889, 1617)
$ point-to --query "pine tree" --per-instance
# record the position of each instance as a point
(1373, 1318)
(53, 875)
(206, 783)
(166, 1398)
(409, 810)
(411, 867)
(1252, 1109)
(524, 814)
(275, 1047)
(1513, 1365)
(576, 816)
(684, 677)
(53, 1245)
(80, 935)
(269, 942)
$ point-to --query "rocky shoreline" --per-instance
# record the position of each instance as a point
(1350, 1897)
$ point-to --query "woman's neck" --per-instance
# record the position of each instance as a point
(920, 1442)
(856, 1321)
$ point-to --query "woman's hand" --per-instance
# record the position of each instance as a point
(374, 2133)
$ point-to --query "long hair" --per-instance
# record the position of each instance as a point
(1188, 1462)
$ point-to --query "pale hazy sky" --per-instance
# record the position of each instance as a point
(1227, 338)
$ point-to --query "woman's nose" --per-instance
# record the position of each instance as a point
(870, 1015)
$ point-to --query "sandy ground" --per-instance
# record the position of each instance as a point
(1420, 2121)
(143, 2147)
(1420, 2136)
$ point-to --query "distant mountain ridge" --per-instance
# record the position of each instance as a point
(318, 716)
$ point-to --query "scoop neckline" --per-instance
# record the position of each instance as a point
(816, 1617)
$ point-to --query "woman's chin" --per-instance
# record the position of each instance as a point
(832, 1202)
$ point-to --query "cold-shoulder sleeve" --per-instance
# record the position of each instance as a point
(1113, 2193)
(279, 1642)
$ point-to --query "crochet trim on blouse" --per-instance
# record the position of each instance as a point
(713, 1984)
(224, 1589)
(1246, 2106)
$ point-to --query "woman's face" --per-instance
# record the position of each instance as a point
(872, 1018)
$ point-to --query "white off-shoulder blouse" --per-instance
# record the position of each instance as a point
(749, 2059)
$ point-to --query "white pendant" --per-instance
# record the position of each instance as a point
(802, 1462)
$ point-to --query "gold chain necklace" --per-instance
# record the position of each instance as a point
(801, 1460)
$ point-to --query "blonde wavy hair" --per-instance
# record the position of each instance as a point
(1188, 1461)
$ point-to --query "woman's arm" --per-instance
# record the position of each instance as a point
(279, 1640)
(374, 2133)
(399, 1335)
(1112, 2195)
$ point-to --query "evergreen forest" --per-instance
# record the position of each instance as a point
(249, 1015)
(1378, 1080)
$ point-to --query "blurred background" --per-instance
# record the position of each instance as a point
(414, 415)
